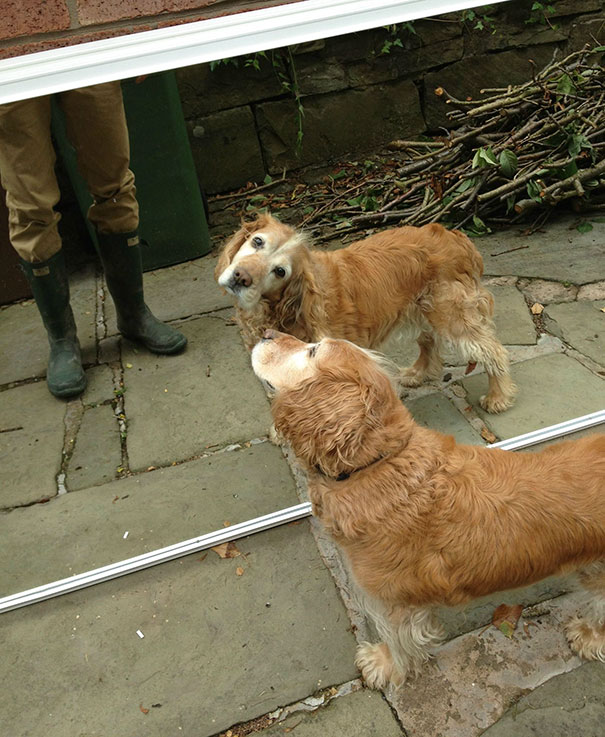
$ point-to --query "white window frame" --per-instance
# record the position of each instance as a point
(56, 70)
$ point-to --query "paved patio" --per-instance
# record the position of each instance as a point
(161, 449)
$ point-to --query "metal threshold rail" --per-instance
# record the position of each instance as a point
(243, 529)
(56, 70)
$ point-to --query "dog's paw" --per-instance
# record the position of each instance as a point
(585, 640)
(495, 404)
(276, 437)
(376, 665)
(411, 377)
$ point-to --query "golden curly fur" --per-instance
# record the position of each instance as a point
(427, 278)
(424, 521)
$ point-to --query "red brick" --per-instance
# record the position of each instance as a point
(106, 11)
(21, 17)
(57, 42)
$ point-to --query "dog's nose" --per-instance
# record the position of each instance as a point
(241, 278)
(270, 334)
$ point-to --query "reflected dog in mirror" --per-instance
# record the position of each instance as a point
(422, 520)
(425, 278)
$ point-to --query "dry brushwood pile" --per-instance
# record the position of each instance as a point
(518, 151)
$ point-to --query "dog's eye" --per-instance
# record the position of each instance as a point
(257, 241)
(279, 271)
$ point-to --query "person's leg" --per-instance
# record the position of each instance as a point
(27, 161)
(96, 126)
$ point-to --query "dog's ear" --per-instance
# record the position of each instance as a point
(301, 302)
(230, 248)
(335, 422)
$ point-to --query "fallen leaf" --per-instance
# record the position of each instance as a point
(128, 365)
(239, 571)
(537, 308)
(203, 557)
(226, 523)
(459, 391)
(505, 618)
(472, 365)
(143, 709)
(226, 550)
(488, 435)
(602, 309)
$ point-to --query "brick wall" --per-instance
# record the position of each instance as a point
(36, 25)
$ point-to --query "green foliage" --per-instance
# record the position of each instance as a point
(394, 38)
(479, 21)
(584, 227)
(477, 229)
(534, 190)
(367, 202)
(283, 65)
(484, 157)
(508, 163)
(540, 13)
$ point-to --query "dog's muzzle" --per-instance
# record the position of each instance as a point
(240, 279)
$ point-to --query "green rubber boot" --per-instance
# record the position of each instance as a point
(48, 280)
(121, 257)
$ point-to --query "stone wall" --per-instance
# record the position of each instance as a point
(357, 97)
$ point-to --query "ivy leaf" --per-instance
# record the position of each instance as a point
(564, 172)
(565, 84)
(508, 163)
(576, 142)
(466, 184)
(533, 190)
(510, 203)
(484, 157)
(584, 227)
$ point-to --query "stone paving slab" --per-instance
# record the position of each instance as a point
(100, 385)
(569, 704)
(361, 714)
(178, 291)
(175, 409)
(558, 253)
(98, 453)
(582, 325)
(82, 530)
(30, 454)
(476, 677)
(23, 338)
(437, 412)
(514, 325)
(218, 648)
(551, 389)
(479, 613)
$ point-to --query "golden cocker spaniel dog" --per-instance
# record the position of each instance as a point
(422, 520)
(427, 278)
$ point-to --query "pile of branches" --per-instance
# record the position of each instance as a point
(521, 149)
